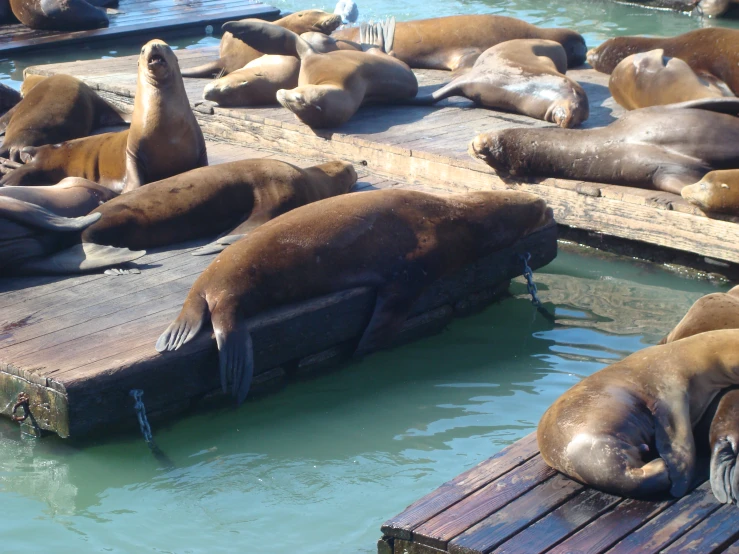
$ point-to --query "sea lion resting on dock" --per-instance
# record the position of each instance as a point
(56, 109)
(62, 15)
(628, 428)
(164, 139)
(234, 197)
(717, 191)
(235, 54)
(332, 86)
(398, 241)
(525, 76)
(712, 50)
(664, 147)
(40, 228)
(455, 42)
(652, 79)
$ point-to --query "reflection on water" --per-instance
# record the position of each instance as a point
(318, 466)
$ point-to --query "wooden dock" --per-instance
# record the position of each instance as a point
(77, 345)
(145, 19)
(428, 145)
(515, 503)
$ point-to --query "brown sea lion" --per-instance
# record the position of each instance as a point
(628, 429)
(9, 97)
(717, 191)
(712, 50)
(235, 54)
(235, 197)
(455, 42)
(62, 15)
(663, 147)
(523, 76)
(711, 312)
(331, 86)
(257, 83)
(164, 139)
(30, 80)
(652, 79)
(72, 197)
(399, 241)
(714, 8)
(59, 108)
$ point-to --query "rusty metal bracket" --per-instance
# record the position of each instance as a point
(22, 402)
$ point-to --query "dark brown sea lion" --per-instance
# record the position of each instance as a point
(59, 108)
(522, 76)
(652, 79)
(712, 50)
(235, 197)
(663, 147)
(399, 241)
(717, 191)
(9, 97)
(628, 429)
(455, 42)
(62, 15)
(235, 54)
(331, 86)
(164, 139)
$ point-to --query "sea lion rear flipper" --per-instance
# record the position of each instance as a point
(720, 105)
(269, 38)
(391, 310)
(207, 70)
(235, 352)
(82, 257)
(724, 474)
(218, 245)
(187, 324)
(723, 416)
(674, 440)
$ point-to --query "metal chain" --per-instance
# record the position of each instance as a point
(528, 274)
(141, 415)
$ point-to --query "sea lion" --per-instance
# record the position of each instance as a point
(711, 312)
(524, 76)
(235, 54)
(62, 15)
(58, 108)
(9, 97)
(628, 429)
(717, 191)
(663, 147)
(652, 79)
(30, 80)
(72, 197)
(257, 83)
(164, 139)
(235, 197)
(455, 42)
(714, 8)
(712, 50)
(398, 241)
(332, 86)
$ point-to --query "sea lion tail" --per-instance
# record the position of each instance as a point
(377, 35)
(235, 352)
(205, 71)
(81, 257)
(32, 215)
(184, 328)
(269, 38)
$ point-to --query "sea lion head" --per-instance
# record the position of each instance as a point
(341, 174)
(317, 21)
(571, 110)
(157, 62)
(608, 55)
(318, 105)
(718, 191)
(490, 148)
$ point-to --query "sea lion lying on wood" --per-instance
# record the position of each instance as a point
(62, 15)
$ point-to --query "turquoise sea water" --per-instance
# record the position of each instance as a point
(317, 467)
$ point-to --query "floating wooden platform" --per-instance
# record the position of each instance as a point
(78, 345)
(515, 503)
(146, 19)
(428, 145)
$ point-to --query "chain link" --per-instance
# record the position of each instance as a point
(529, 276)
(138, 405)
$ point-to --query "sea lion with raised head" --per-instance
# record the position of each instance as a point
(332, 86)
(712, 50)
(717, 191)
(56, 109)
(397, 241)
(235, 197)
(664, 147)
(164, 138)
(652, 79)
(62, 15)
(455, 42)
(235, 54)
(525, 76)
(628, 429)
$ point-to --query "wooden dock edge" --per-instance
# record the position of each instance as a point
(297, 339)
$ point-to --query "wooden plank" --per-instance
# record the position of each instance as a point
(733, 549)
(516, 516)
(451, 492)
(671, 524)
(711, 535)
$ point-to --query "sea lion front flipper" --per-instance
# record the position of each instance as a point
(186, 325)
(235, 352)
(674, 440)
(392, 306)
(81, 257)
(724, 440)
(269, 38)
(668, 180)
(219, 245)
(720, 105)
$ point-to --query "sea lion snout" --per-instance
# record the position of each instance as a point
(592, 56)
(156, 56)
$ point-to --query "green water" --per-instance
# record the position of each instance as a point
(317, 467)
